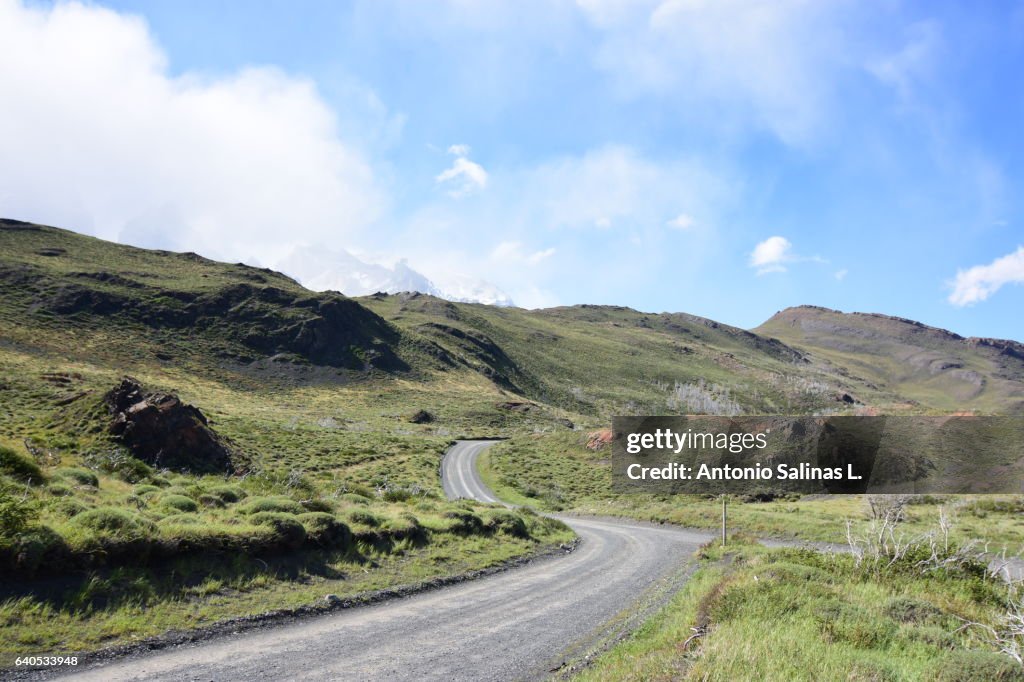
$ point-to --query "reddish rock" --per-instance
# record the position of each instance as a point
(597, 440)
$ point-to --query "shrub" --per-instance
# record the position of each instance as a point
(982, 507)
(891, 508)
(60, 490)
(79, 476)
(395, 494)
(318, 505)
(352, 498)
(509, 523)
(135, 501)
(145, 490)
(968, 665)
(113, 522)
(20, 467)
(359, 491)
(180, 520)
(272, 504)
(325, 530)
(119, 463)
(228, 494)
(464, 522)
(842, 622)
(35, 547)
(179, 503)
(211, 501)
(17, 511)
(364, 518)
(911, 610)
(70, 508)
(287, 528)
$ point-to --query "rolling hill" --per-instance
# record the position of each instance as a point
(315, 424)
(109, 304)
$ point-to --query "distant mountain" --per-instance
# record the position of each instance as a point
(322, 269)
(926, 365)
(80, 302)
(465, 289)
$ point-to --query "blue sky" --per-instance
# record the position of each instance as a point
(722, 158)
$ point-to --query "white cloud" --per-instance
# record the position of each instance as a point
(606, 207)
(513, 252)
(776, 253)
(841, 274)
(771, 255)
(913, 63)
(682, 222)
(98, 136)
(464, 176)
(981, 281)
(614, 185)
(771, 65)
(538, 256)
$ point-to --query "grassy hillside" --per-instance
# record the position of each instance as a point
(335, 489)
(338, 411)
(750, 613)
(927, 367)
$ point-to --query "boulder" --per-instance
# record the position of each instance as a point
(166, 433)
(421, 417)
(597, 440)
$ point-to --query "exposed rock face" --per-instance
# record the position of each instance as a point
(164, 432)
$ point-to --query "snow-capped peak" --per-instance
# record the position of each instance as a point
(322, 269)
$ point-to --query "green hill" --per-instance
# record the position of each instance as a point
(327, 418)
(926, 366)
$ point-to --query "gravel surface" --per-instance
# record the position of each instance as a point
(525, 623)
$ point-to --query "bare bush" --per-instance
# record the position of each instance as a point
(1008, 633)
(702, 398)
(888, 507)
(882, 546)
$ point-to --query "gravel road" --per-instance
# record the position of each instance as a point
(521, 624)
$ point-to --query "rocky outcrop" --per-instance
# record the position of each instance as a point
(166, 433)
(421, 417)
(324, 329)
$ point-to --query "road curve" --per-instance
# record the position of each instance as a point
(520, 624)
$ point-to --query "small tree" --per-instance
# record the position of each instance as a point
(17, 510)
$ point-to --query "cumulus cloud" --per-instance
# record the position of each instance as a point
(771, 255)
(96, 135)
(775, 254)
(981, 281)
(464, 176)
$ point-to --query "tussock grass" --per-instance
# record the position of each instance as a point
(791, 614)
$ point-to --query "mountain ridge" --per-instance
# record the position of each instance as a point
(81, 297)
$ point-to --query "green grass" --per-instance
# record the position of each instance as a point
(750, 613)
(316, 392)
(556, 472)
(124, 605)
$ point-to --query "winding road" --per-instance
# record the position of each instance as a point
(522, 624)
